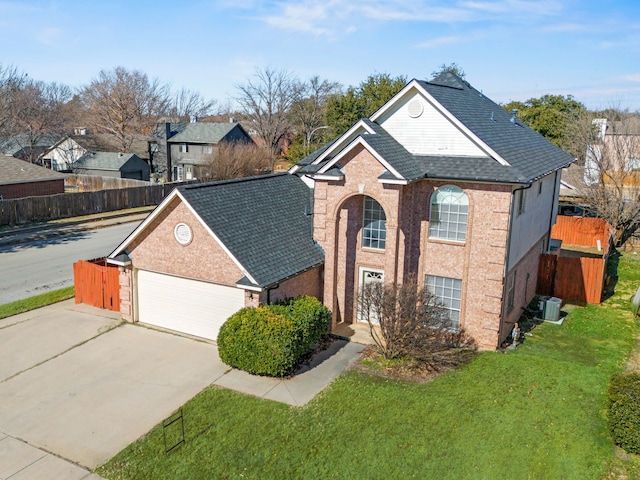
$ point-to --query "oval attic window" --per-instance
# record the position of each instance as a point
(182, 232)
(415, 108)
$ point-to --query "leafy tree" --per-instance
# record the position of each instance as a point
(549, 115)
(361, 101)
(452, 68)
(265, 102)
(126, 104)
(407, 320)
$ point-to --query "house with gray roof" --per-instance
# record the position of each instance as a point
(112, 164)
(180, 149)
(19, 178)
(440, 185)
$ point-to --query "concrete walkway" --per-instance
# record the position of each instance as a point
(77, 386)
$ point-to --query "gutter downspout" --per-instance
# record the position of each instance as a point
(506, 257)
(553, 204)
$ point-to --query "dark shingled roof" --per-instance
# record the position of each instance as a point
(527, 151)
(529, 154)
(104, 160)
(264, 221)
(200, 132)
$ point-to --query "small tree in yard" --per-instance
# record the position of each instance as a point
(234, 160)
(407, 320)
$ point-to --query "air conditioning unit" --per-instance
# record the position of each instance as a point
(552, 309)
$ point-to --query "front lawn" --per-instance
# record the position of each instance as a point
(37, 301)
(536, 412)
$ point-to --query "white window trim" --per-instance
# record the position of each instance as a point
(448, 309)
(435, 235)
(364, 210)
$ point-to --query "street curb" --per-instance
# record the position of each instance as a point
(41, 232)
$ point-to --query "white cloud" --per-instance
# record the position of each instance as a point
(332, 17)
(632, 77)
(442, 41)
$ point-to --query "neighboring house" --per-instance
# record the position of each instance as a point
(63, 155)
(23, 179)
(617, 148)
(111, 164)
(180, 148)
(440, 184)
(29, 147)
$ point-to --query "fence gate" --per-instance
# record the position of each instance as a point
(97, 284)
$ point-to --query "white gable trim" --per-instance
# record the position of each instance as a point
(365, 144)
(328, 177)
(443, 111)
(163, 205)
(393, 182)
(359, 124)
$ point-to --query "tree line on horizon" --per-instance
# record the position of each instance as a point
(289, 118)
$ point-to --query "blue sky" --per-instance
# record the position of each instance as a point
(510, 49)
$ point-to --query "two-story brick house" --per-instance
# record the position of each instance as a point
(440, 184)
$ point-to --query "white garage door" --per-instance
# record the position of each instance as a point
(188, 306)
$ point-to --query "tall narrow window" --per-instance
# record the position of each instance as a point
(448, 291)
(374, 225)
(449, 212)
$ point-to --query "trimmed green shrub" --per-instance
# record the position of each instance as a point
(624, 411)
(270, 339)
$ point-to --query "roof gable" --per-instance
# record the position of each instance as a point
(446, 129)
(266, 232)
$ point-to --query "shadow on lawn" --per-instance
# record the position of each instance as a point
(611, 274)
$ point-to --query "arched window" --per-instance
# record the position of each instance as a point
(449, 211)
(374, 225)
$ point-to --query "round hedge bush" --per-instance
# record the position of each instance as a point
(270, 339)
(624, 411)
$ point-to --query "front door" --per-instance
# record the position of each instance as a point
(367, 276)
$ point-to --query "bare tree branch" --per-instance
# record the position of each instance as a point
(126, 104)
(607, 175)
(265, 101)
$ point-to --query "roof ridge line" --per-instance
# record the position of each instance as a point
(232, 181)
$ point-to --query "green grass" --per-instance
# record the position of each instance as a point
(38, 301)
(536, 412)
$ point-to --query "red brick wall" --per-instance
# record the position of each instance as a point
(479, 261)
(203, 259)
(32, 189)
(307, 283)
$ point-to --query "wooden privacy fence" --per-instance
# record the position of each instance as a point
(97, 284)
(65, 205)
(577, 279)
(582, 231)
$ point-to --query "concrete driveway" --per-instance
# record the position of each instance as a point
(77, 383)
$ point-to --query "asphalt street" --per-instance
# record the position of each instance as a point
(38, 266)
